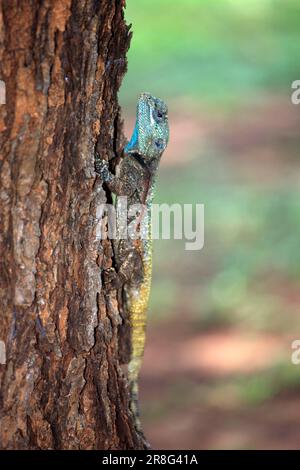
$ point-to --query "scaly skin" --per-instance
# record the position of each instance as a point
(135, 179)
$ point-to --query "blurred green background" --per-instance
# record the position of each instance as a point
(217, 370)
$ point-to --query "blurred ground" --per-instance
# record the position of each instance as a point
(215, 391)
(217, 371)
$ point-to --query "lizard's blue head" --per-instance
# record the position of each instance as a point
(151, 133)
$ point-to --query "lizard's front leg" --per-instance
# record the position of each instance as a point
(113, 182)
(127, 181)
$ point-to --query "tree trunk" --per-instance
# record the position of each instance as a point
(62, 385)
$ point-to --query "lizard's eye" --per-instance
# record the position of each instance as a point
(159, 115)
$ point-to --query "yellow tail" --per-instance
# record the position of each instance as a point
(138, 304)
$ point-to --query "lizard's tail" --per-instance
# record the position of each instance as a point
(138, 303)
(134, 405)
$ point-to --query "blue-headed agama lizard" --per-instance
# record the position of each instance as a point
(135, 178)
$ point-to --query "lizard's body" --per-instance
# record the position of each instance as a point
(135, 179)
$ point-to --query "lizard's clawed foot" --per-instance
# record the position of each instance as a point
(102, 168)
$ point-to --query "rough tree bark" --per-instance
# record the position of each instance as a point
(62, 386)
